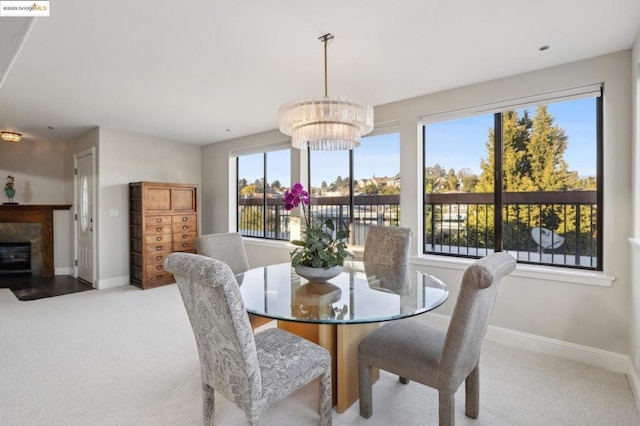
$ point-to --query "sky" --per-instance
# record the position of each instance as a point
(461, 143)
(452, 144)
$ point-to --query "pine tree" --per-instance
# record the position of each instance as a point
(547, 145)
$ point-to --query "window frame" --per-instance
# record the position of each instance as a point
(380, 129)
(264, 151)
(497, 109)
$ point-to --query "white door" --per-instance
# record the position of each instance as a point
(84, 191)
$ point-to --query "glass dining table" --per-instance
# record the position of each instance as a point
(339, 313)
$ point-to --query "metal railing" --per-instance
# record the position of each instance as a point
(549, 228)
(367, 210)
(460, 224)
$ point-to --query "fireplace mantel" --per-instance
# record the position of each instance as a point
(36, 213)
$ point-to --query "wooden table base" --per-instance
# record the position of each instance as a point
(341, 340)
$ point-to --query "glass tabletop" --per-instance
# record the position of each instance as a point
(362, 293)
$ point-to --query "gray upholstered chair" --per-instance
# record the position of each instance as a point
(441, 360)
(251, 371)
(387, 245)
(228, 248)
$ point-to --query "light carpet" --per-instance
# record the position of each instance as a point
(124, 356)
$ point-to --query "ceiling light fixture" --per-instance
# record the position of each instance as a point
(11, 136)
(324, 123)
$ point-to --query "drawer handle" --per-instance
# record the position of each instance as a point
(159, 277)
(158, 248)
(185, 236)
(185, 227)
(159, 267)
(158, 219)
(158, 257)
(158, 229)
(158, 238)
(185, 218)
(185, 244)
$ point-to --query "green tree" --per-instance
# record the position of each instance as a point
(532, 160)
(370, 189)
(434, 179)
(259, 185)
(545, 148)
(515, 156)
(451, 182)
(467, 179)
(390, 190)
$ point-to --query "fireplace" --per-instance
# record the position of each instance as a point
(33, 223)
(15, 258)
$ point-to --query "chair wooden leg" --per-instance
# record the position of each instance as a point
(446, 408)
(326, 401)
(472, 393)
(403, 380)
(364, 377)
(208, 404)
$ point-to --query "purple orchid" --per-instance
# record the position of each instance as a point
(295, 196)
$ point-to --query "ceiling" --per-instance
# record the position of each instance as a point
(202, 71)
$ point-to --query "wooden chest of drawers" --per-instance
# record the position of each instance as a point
(163, 219)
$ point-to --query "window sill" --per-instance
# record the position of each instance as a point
(281, 244)
(268, 243)
(546, 273)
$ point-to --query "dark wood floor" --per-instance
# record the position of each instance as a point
(27, 287)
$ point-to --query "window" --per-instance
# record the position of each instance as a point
(84, 202)
(371, 197)
(526, 179)
(262, 179)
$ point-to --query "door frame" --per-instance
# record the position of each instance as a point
(94, 255)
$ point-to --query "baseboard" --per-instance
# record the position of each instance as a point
(611, 361)
(634, 382)
(113, 282)
(63, 271)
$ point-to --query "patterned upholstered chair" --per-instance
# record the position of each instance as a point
(414, 351)
(228, 248)
(387, 245)
(251, 371)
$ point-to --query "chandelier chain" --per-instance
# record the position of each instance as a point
(325, 40)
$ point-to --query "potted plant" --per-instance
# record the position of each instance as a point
(319, 256)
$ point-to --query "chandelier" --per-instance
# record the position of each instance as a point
(326, 123)
(11, 136)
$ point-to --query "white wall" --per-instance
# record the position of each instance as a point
(38, 167)
(536, 300)
(123, 158)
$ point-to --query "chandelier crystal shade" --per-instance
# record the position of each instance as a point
(11, 136)
(325, 123)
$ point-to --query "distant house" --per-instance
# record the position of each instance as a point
(379, 182)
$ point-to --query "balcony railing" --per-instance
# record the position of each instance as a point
(369, 209)
(549, 228)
